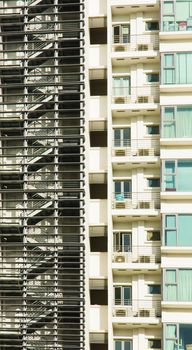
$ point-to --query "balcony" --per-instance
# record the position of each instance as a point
(142, 311)
(98, 318)
(98, 108)
(143, 254)
(146, 147)
(98, 212)
(141, 95)
(139, 43)
(136, 200)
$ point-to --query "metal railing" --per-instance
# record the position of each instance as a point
(136, 147)
(136, 308)
(136, 94)
(135, 42)
(136, 254)
(136, 200)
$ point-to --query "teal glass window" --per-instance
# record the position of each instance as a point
(178, 230)
(152, 77)
(122, 137)
(178, 175)
(176, 15)
(178, 285)
(153, 182)
(152, 129)
(154, 289)
(121, 86)
(177, 68)
(123, 344)
(123, 295)
(177, 122)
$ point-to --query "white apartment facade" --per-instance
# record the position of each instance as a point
(140, 167)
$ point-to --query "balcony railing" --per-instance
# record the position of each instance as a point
(137, 308)
(136, 147)
(136, 200)
(136, 94)
(137, 254)
(135, 42)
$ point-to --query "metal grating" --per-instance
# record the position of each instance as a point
(42, 175)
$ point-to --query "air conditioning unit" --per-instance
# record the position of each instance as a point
(120, 312)
(147, 312)
(120, 258)
(120, 152)
(145, 99)
(146, 205)
(120, 205)
(121, 99)
(143, 152)
(145, 47)
(119, 48)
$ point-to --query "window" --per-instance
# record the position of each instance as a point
(178, 336)
(153, 236)
(154, 343)
(177, 230)
(152, 25)
(177, 68)
(123, 295)
(121, 34)
(176, 15)
(122, 189)
(123, 344)
(154, 288)
(154, 182)
(177, 121)
(178, 285)
(152, 129)
(121, 86)
(178, 175)
(122, 137)
(122, 242)
(152, 77)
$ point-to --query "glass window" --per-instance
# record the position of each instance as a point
(121, 34)
(152, 129)
(123, 344)
(152, 77)
(177, 68)
(154, 288)
(155, 182)
(154, 343)
(123, 295)
(121, 86)
(122, 189)
(153, 236)
(122, 137)
(178, 230)
(122, 242)
(178, 285)
(152, 25)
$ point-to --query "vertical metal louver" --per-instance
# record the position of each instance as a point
(41, 175)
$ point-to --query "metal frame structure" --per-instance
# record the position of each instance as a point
(42, 174)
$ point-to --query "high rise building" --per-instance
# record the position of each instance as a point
(140, 118)
(96, 175)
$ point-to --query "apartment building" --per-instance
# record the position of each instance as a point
(95, 212)
(140, 88)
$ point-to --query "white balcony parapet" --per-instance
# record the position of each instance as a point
(142, 254)
(136, 94)
(137, 308)
(145, 147)
(137, 42)
(98, 264)
(98, 212)
(98, 159)
(136, 200)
